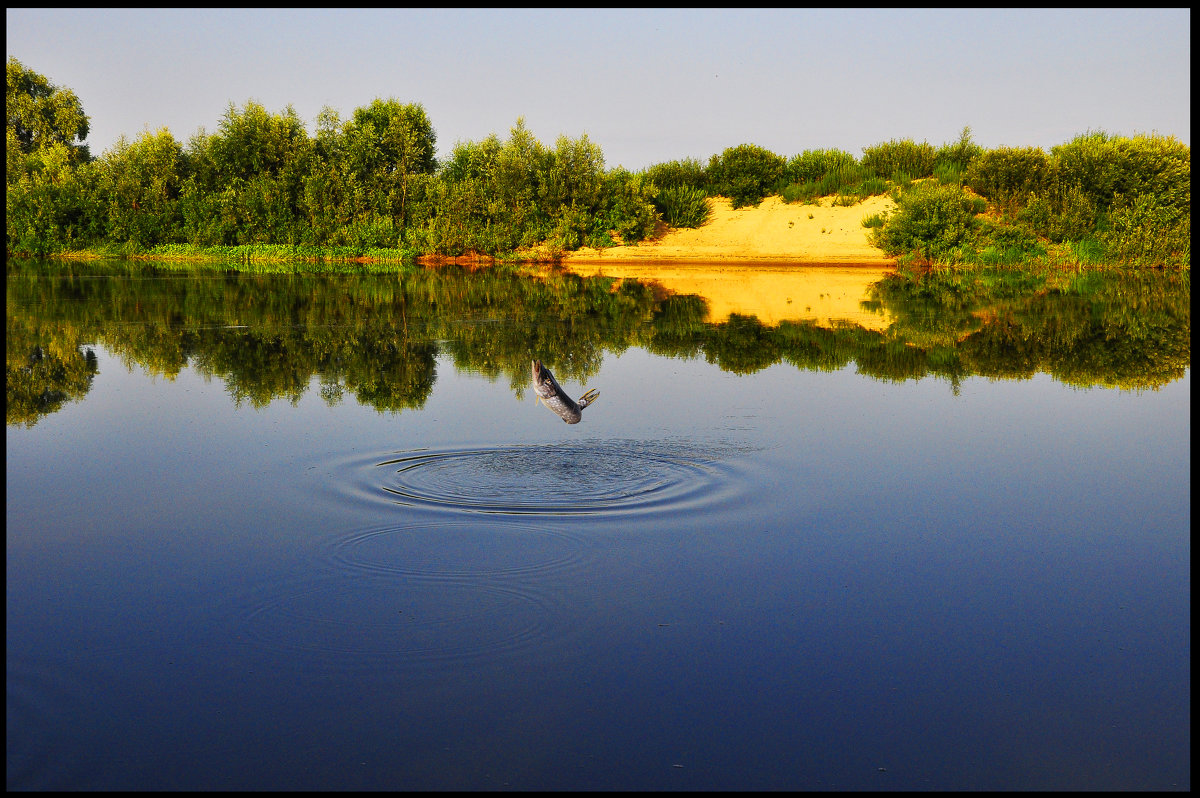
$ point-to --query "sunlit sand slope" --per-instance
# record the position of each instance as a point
(774, 231)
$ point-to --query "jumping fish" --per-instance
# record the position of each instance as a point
(554, 397)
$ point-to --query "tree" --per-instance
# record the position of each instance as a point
(141, 182)
(47, 204)
(40, 114)
(388, 146)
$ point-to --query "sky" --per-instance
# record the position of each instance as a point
(647, 86)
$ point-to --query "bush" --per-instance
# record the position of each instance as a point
(628, 209)
(961, 153)
(917, 160)
(1008, 173)
(813, 165)
(745, 173)
(1145, 231)
(686, 173)
(1062, 215)
(930, 219)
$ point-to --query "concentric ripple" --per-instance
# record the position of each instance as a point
(610, 477)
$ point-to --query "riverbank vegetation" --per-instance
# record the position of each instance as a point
(261, 187)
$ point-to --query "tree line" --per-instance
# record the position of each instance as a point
(373, 182)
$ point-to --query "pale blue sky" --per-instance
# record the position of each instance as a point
(647, 86)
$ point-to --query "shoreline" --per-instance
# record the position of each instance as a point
(771, 234)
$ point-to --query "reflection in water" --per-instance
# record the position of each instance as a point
(551, 394)
(376, 338)
(772, 293)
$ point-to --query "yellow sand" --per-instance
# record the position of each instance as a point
(774, 231)
(772, 262)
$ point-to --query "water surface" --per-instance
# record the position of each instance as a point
(314, 532)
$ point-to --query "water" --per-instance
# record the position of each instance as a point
(273, 537)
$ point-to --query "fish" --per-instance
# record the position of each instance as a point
(551, 394)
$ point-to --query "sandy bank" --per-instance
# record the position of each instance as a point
(774, 232)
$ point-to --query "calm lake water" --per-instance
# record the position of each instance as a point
(314, 532)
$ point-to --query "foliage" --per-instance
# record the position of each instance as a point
(682, 206)
(1147, 230)
(903, 155)
(40, 115)
(746, 174)
(138, 184)
(813, 165)
(1009, 173)
(930, 219)
(372, 183)
(687, 173)
(961, 153)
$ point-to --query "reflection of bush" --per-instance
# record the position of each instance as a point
(378, 337)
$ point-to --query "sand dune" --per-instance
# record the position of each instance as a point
(775, 232)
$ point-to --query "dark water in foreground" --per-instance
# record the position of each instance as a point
(283, 533)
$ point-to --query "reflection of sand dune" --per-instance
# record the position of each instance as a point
(771, 292)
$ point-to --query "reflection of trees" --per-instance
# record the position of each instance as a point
(378, 337)
(742, 345)
(1124, 329)
(45, 366)
(45, 381)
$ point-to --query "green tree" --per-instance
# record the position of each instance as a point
(47, 202)
(140, 183)
(40, 114)
(250, 178)
(388, 146)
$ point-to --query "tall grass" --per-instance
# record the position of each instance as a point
(874, 220)
(948, 173)
(682, 206)
(850, 182)
(813, 165)
(903, 155)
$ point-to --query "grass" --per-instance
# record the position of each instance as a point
(682, 206)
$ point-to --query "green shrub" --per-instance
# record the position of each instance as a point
(1145, 231)
(961, 153)
(813, 165)
(745, 173)
(930, 219)
(1009, 173)
(686, 173)
(903, 155)
(1062, 215)
(628, 208)
(682, 206)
